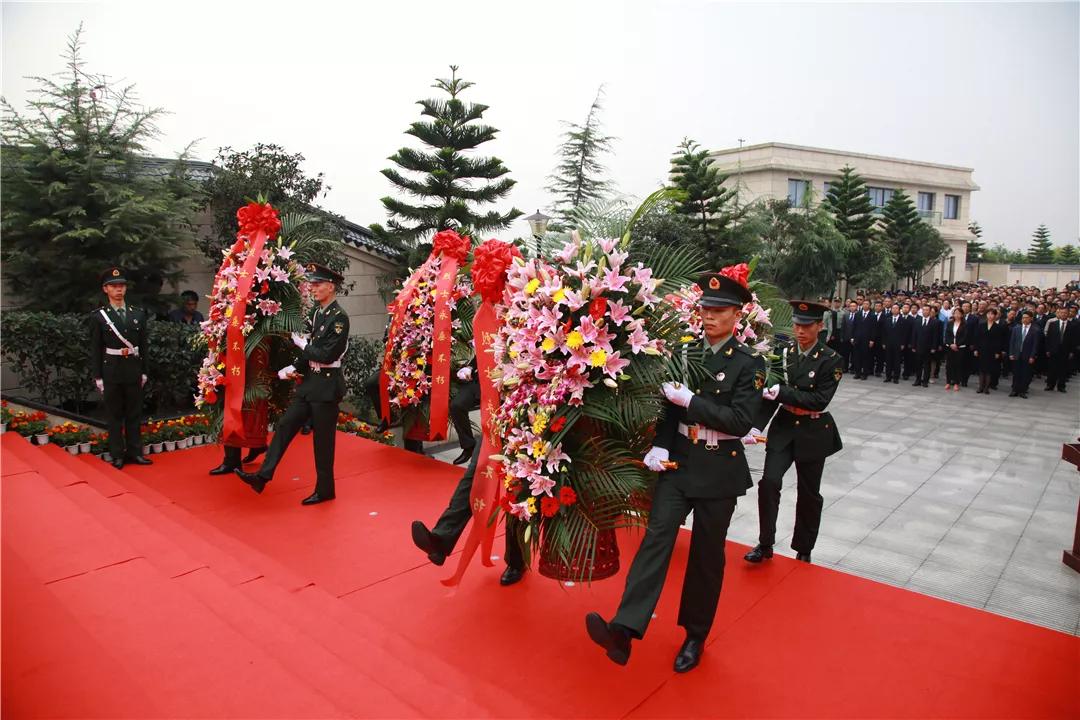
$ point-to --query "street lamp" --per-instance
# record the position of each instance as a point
(538, 223)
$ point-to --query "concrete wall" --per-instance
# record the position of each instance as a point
(1040, 276)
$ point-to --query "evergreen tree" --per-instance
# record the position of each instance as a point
(915, 245)
(705, 201)
(447, 181)
(975, 248)
(579, 177)
(1040, 251)
(854, 219)
(1067, 255)
(78, 194)
(803, 252)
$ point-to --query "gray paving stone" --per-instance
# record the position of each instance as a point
(1057, 610)
(952, 583)
(993, 521)
(879, 563)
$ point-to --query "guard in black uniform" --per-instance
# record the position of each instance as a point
(802, 432)
(701, 431)
(118, 361)
(320, 392)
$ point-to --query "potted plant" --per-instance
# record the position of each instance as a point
(67, 435)
(97, 443)
(5, 416)
(169, 435)
(37, 425)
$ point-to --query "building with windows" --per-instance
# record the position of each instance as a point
(942, 193)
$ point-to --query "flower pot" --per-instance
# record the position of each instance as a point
(72, 449)
(197, 439)
(3, 428)
(107, 457)
(84, 447)
(605, 564)
(157, 447)
(42, 439)
(170, 445)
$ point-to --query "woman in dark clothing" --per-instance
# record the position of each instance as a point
(989, 342)
(956, 340)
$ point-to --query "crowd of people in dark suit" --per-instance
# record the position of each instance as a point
(965, 329)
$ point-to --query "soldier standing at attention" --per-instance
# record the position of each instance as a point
(320, 392)
(118, 358)
(701, 431)
(802, 432)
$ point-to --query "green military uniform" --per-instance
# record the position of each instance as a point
(803, 432)
(317, 397)
(704, 439)
(118, 349)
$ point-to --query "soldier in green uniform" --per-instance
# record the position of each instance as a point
(802, 432)
(118, 363)
(320, 392)
(700, 431)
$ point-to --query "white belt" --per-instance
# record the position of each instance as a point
(323, 366)
(123, 352)
(711, 437)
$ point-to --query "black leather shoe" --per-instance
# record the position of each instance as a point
(926, 384)
(256, 481)
(118, 463)
(689, 655)
(1023, 395)
(1061, 390)
(916, 384)
(511, 575)
(803, 557)
(315, 498)
(428, 542)
(1049, 389)
(895, 381)
(382, 427)
(305, 429)
(463, 457)
(140, 460)
(252, 454)
(1013, 394)
(224, 469)
(614, 640)
(759, 553)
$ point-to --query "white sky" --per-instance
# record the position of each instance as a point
(989, 86)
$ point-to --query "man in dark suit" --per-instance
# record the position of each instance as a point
(865, 336)
(907, 355)
(847, 334)
(895, 335)
(1009, 321)
(832, 325)
(1023, 350)
(803, 432)
(926, 339)
(466, 399)
(320, 391)
(118, 363)
(880, 315)
(701, 432)
(989, 347)
(1059, 347)
(971, 322)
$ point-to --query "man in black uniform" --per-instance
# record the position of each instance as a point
(319, 393)
(118, 363)
(439, 542)
(895, 333)
(802, 432)
(866, 330)
(701, 431)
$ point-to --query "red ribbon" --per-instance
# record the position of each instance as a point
(440, 350)
(487, 486)
(235, 359)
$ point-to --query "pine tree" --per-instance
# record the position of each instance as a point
(1040, 251)
(705, 201)
(448, 181)
(579, 177)
(975, 248)
(914, 244)
(853, 215)
(1067, 255)
(78, 194)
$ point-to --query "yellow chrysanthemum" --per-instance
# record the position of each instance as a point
(574, 340)
(532, 505)
(548, 345)
(530, 288)
(409, 392)
(597, 358)
(421, 361)
(508, 481)
(539, 423)
(559, 295)
(686, 338)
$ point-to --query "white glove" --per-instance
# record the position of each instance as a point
(680, 395)
(285, 372)
(100, 385)
(750, 439)
(143, 382)
(655, 458)
(299, 341)
(465, 374)
(771, 393)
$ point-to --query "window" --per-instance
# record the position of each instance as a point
(952, 207)
(926, 202)
(828, 186)
(797, 191)
(879, 196)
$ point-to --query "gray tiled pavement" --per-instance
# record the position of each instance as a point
(959, 495)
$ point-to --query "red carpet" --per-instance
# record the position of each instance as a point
(163, 592)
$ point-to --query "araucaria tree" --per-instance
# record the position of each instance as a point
(1041, 250)
(975, 248)
(446, 183)
(868, 261)
(915, 245)
(579, 177)
(78, 193)
(705, 201)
